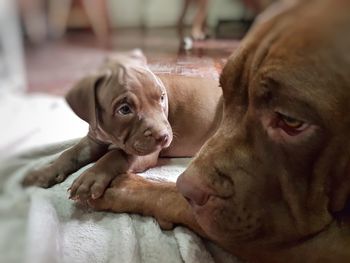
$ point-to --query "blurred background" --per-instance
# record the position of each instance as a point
(47, 45)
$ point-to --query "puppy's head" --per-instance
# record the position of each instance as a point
(277, 170)
(125, 104)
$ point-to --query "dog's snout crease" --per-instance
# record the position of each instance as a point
(192, 191)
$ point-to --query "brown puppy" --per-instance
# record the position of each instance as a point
(273, 183)
(133, 115)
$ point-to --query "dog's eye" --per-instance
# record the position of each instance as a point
(291, 125)
(291, 122)
(124, 109)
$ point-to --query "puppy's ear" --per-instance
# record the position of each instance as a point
(82, 99)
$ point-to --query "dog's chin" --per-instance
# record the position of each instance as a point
(211, 216)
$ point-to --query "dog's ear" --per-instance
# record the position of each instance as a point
(82, 99)
(238, 79)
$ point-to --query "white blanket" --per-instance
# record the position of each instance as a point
(43, 225)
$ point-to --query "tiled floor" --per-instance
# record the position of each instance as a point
(54, 67)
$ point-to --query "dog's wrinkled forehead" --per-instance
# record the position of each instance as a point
(126, 59)
(125, 74)
(301, 72)
(129, 76)
(143, 76)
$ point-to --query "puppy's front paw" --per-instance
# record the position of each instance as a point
(44, 177)
(124, 194)
(90, 184)
(130, 193)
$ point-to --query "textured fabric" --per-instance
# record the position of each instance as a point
(29, 121)
(43, 225)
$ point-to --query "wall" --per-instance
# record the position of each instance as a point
(157, 13)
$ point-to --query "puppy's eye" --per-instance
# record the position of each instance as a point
(124, 109)
(291, 125)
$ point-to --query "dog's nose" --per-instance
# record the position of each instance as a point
(162, 139)
(192, 191)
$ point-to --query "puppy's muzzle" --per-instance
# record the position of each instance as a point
(161, 138)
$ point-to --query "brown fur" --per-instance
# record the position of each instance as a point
(170, 116)
(261, 188)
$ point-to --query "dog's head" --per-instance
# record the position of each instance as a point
(278, 168)
(125, 104)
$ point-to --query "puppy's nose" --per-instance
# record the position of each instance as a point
(162, 139)
(192, 191)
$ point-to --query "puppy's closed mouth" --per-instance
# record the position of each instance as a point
(142, 148)
(139, 151)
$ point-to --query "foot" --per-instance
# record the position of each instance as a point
(130, 193)
(198, 34)
(44, 177)
(90, 185)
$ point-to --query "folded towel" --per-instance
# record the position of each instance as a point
(43, 225)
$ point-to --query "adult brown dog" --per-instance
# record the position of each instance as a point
(272, 184)
(133, 115)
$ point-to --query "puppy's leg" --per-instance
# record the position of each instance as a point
(130, 193)
(86, 151)
(94, 181)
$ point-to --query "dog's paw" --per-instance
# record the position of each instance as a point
(165, 225)
(90, 185)
(44, 177)
(129, 193)
(125, 194)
